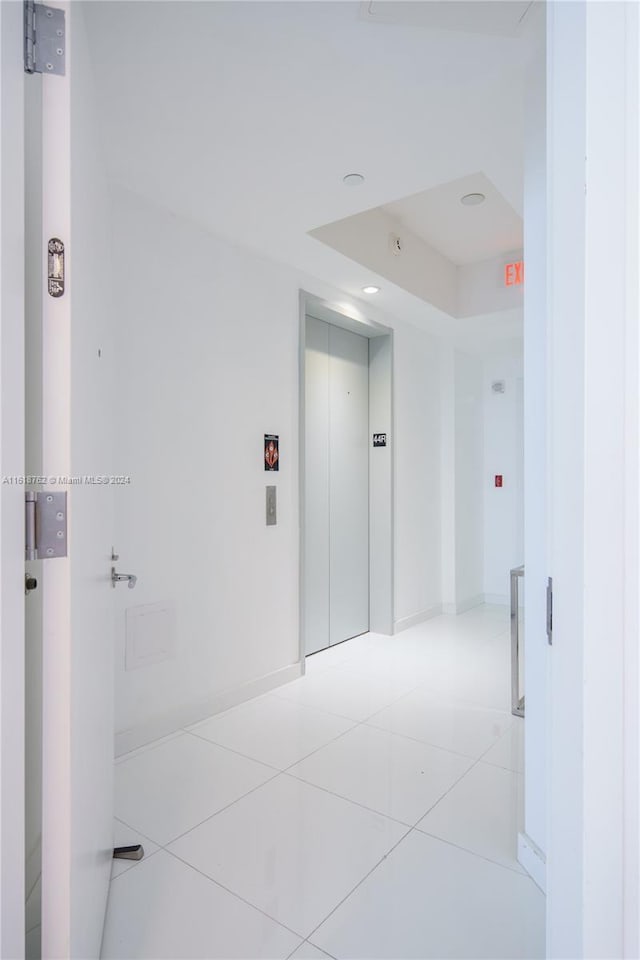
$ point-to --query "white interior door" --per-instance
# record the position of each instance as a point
(11, 494)
(336, 580)
(73, 377)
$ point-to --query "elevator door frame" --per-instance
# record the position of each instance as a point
(351, 317)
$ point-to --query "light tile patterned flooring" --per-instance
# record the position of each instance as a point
(367, 810)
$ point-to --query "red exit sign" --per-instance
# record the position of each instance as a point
(514, 273)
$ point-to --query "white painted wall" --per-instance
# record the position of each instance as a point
(207, 360)
(381, 600)
(503, 453)
(417, 475)
(206, 342)
(447, 477)
(481, 436)
(469, 500)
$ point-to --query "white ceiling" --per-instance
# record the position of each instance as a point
(463, 234)
(245, 116)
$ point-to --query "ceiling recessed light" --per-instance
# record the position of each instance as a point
(472, 199)
(371, 289)
(353, 179)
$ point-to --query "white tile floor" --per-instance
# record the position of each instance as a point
(368, 809)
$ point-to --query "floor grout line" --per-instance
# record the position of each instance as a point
(339, 796)
(329, 955)
(354, 724)
(360, 882)
(428, 743)
(181, 836)
(246, 704)
(474, 853)
(348, 666)
(237, 753)
(238, 896)
(286, 770)
(415, 829)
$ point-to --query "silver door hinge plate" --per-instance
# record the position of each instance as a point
(44, 39)
(45, 525)
(550, 611)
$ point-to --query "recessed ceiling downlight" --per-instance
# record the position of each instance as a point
(371, 289)
(472, 199)
(353, 179)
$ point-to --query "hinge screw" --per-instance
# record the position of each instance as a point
(49, 13)
(49, 66)
(59, 51)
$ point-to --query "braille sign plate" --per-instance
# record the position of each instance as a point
(379, 439)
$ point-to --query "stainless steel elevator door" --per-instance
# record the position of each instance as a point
(336, 485)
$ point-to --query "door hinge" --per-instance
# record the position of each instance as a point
(44, 39)
(550, 611)
(45, 525)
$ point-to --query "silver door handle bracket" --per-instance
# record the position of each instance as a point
(129, 578)
(517, 701)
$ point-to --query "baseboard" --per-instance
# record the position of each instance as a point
(405, 622)
(497, 599)
(453, 609)
(470, 603)
(533, 860)
(176, 719)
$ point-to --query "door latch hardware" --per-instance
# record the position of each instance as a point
(44, 39)
(55, 267)
(128, 578)
(45, 525)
